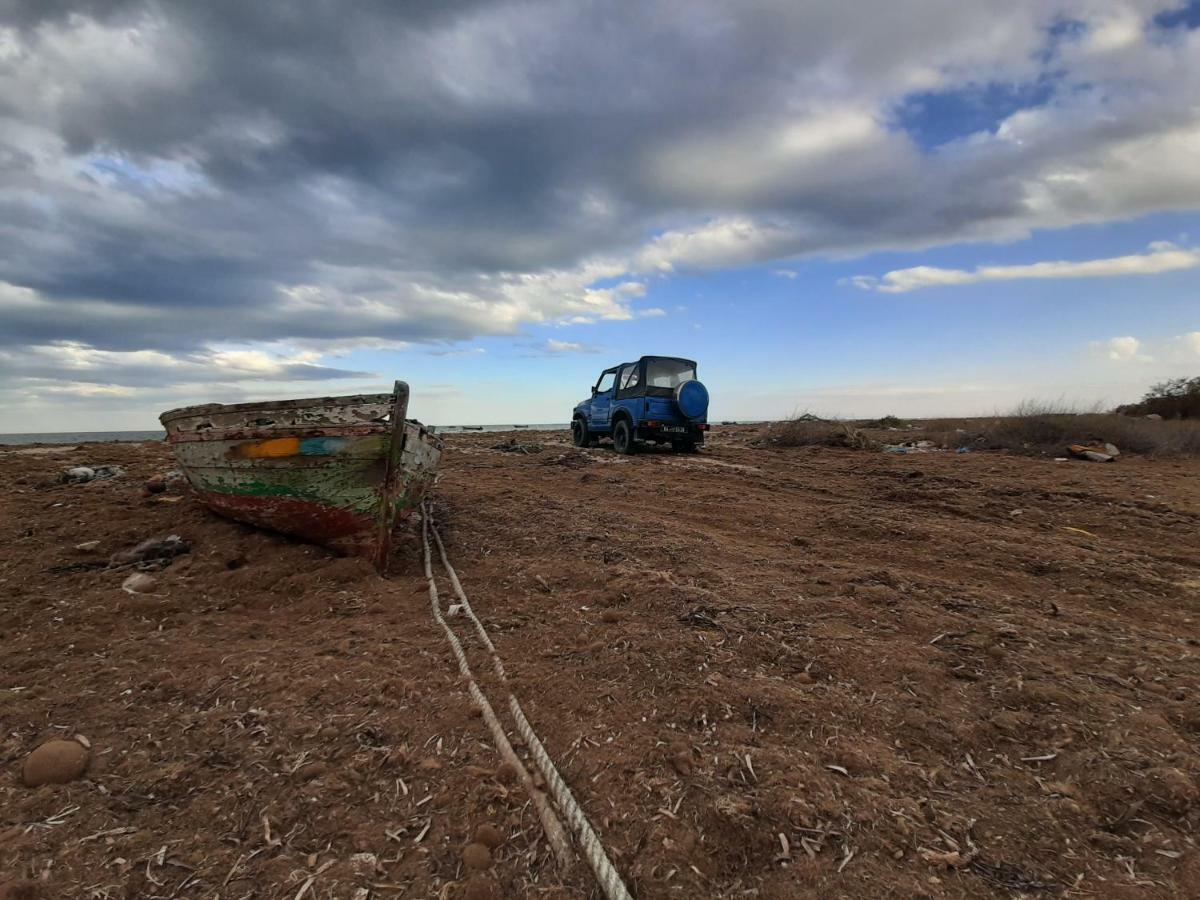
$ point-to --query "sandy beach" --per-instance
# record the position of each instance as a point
(764, 673)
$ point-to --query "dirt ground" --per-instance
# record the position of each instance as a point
(764, 673)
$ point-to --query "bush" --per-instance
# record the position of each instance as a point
(1176, 398)
(806, 431)
(885, 422)
(1049, 428)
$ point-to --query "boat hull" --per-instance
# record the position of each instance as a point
(338, 471)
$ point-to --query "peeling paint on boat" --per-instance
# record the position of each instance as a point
(339, 471)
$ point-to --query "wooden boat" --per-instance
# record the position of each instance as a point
(337, 471)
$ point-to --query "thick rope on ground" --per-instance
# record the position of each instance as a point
(593, 849)
(557, 837)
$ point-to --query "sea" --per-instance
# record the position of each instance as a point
(85, 437)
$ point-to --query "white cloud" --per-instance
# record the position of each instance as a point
(1161, 257)
(1186, 347)
(790, 274)
(1123, 349)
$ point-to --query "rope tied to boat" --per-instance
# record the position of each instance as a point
(559, 842)
(593, 848)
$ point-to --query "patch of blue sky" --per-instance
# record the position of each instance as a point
(156, 174)
(1186, 16)
(936, 118)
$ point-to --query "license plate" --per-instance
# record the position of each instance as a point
(674, 429)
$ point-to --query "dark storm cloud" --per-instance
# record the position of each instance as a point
(175, 175)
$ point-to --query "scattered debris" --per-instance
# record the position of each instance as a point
(913, 447)
(87, 546)
(152, 553)
(512, 445)
(83, 474)
(1097, 453)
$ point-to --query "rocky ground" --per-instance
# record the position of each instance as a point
(764, 672)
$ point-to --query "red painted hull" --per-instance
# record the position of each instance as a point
(342, 530)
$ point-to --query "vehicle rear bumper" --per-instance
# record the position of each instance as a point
(672, 431)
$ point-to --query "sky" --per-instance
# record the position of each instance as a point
(856, 209)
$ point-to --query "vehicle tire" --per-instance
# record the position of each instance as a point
(684, 446)
(623, 437)
(580, 435)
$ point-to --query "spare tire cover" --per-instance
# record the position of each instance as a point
(692, 399)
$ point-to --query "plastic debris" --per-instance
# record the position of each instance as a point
(1095, 453)
(913, 447)
(83, 474)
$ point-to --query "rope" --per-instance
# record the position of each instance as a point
(553, 827)
(593, 849)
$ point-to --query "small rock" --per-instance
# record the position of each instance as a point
(478, 887)
(24, 890)
(139, 583)
(681, 762)
(55, 762)
(489, 835)
(1171, 790)
(611, 616)
(156, 484)
(309, 771)
(506, 773)
(477, 857)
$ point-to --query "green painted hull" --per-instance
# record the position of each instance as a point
(338, 471)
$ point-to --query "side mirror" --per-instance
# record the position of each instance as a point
(594, 391)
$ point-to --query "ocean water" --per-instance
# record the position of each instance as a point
(81, 437)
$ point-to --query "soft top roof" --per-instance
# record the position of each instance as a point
(690, 362)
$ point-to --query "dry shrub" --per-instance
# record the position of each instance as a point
(1048, 428)
(807, 431)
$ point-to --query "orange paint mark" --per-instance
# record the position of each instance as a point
(271, 449)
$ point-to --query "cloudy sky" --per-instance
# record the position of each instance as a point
(855, 208)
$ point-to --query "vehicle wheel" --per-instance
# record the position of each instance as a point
(580, 436)
(623, 437)
(684, 446)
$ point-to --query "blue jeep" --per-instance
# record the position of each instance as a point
(656, 399)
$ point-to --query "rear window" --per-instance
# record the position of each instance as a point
(668, 373)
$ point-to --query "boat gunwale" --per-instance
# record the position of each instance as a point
(209, 408)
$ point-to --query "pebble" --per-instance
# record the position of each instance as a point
(506, 773)
(477, 856)
(139, 583)
(309, 771)
(489, 835)
(156, 484)
(480, 888)
(23, 890)
(55, 762)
